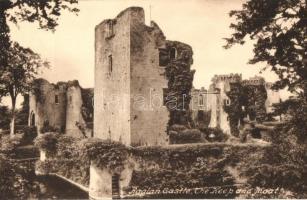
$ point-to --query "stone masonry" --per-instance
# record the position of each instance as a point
(216, 98)
(130, 80)
(59, 106)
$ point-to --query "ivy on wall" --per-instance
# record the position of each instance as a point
(234, 110)
(87, 109)
(155, 167)
(36, 89)
(180, 78)
(256, 97)
(250, 97)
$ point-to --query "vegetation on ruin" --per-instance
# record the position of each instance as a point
(189, 166)
(87, 109)
(36, 89)
(250, 97)
(66, 158)
(180, 78)
(106, 154)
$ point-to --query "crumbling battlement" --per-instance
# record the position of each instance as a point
(58, 106)
(227, 78)
(256, 80)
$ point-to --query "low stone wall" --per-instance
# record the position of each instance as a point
(174, 171)
(177, 171)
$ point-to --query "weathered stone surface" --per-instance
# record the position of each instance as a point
(58, 105)
(130, 79)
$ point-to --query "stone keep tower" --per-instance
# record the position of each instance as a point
(129, 81)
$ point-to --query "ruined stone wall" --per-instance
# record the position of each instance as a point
(223, 100)
(148, 121)
(180, 79)
(60, 113)
(221, 85)
(139, 81)
(213, 102)
(48, 105)
(73, 110)
(112, 87)
(256, 95)
(199, 107)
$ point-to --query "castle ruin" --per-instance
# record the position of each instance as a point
(131, 83)
(62, 107)
(259, 98)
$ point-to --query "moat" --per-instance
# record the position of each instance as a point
(50, 186)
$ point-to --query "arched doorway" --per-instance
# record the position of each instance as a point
(32, 119)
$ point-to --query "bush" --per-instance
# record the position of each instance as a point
(47, 142)
(106, 153)
(8, 145)
(68, 160)
(45, 167)
(214, 134)
(7, 190)
(283, 165)
(178, 127)
(29, 133)
(26, 152)
(186, 136)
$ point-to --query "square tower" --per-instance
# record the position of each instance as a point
(129, 81)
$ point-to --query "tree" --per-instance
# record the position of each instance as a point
(45, 12)
(280, 31)
(15, 78)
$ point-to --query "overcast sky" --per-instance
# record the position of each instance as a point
(200, 23)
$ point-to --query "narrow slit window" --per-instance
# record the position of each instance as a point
(56, 99)
(110, 29)
(110, 63)
(173, 53)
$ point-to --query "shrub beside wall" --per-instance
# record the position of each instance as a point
(65, 157)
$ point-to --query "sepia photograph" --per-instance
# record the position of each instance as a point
(153, 99)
